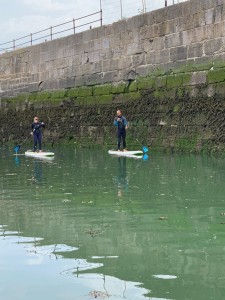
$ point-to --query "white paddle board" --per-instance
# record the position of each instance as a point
(133, 154)
(31, 153)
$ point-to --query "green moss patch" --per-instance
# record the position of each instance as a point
(102, 89)
(174, 81)
(119, 88)
(216, 76)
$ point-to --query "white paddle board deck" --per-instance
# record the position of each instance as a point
(39, 154)
(133, 154)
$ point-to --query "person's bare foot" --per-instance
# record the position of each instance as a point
(119, 150)
(124, 150)
(40, 151)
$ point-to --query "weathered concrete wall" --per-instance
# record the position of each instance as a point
(165, 68)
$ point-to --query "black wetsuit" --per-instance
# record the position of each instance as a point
(121, 131)
(37, 134)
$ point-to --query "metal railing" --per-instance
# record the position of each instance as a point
(49, 33)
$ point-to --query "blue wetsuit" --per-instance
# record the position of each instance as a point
(121, 130)
(37, 134)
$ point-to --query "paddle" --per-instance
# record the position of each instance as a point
(144, 148)
(17, 147)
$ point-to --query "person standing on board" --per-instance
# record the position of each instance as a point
(37, 134)
(122, 125)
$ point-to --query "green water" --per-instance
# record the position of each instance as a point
(86, 222)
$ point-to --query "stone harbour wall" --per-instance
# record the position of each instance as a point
(165, 69)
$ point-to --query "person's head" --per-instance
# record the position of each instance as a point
(119, 113)
(35, 119)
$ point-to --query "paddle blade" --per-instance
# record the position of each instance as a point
(17, 148)
(145, 157)
(145, 149)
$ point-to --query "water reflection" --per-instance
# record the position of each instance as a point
(122, 180)
(35, 254)
(89, 239)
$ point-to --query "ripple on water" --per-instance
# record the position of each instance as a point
(162, 276)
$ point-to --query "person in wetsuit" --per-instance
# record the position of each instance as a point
(122, 125)
(37, 134)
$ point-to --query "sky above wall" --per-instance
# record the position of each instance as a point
(21, 17)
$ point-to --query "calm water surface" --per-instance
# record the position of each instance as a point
(86, 225)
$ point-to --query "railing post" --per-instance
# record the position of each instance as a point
(101, 16)
(14, 44)
(51, 32)
(165, 3)
(74, 26)
(31, 39)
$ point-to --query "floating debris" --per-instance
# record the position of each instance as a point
(66, 201)
(93, 232)
(99, 295)
(163, 218)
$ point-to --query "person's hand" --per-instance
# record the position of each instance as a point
(31, 133)
(126, 127)
(119, 119)
(42, 123)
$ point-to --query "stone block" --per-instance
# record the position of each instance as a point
(94, 79)
(138, 60)
(157, 57)
(108, 77)
(219, 61)
(136, 22)
(120, 26)
(198, 78)
(186, 79)
(212, 46)
(105, 43)
(174, 11)
(32, 87)
(204, 63)
(195, 50)
(65, 83)
(89, 35)
(105, 89)
(94, 56)
(209, 16)
(133, 86)
(142, 71)
(187, 37)
(174, 81)
(118, 88)
(156, 43)
(80, 81)
(58, 94)
(178, 53)
(107, 65)
(163, 28)
(216, 76)
(160, 15)
(161, 81)
(131, 96)
(150, 18)
(146, 83)
(73, 92)
(173, 40)
(134, 48)
(104, 99)
(206, 4)
(85, 91)
(148, 32)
